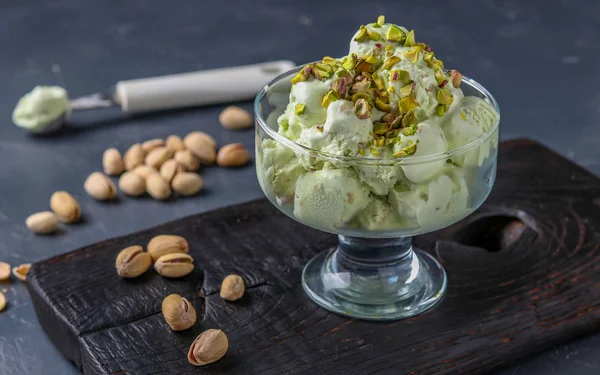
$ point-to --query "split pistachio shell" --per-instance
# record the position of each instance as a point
(232, 288)
(134, 157)
(187, 184)
(169, 169)
(65, 207)
(4, 271)
(152, 144)
(210, 346)
(157, 187)
(174, 265)
(175, 143)
(21, 271)
(44, 222)
(187, 160)
(158, 156)
(202, 145)
(233, 155)
(144, 171)
(112, 162)
(235, 118)
(132, 262)
(178, 312)
(100, 187)
(132, 184)
(166, 244)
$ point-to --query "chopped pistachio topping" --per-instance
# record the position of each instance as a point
(303, 74)
(382, 106)
(401, 186)
(378, 82)
(374, 35)
(372, 59)
(428, 58)
(320, 128)
(339, 87)
(363, 33)
(361, 95)
(396, 122)
(390, 61)
(299, 109)
(443, 84)
(329, 98)
(406, 151)
(395, 34)
(330, 61)
(409, 130)
(374, 151)
(444, 96)
(440, 110)
(409, 119)
(392, 134)
(361, 86)
(381, 20)
(379, 142)
(439, 77)
(437, 64)
(322, 71)
(411, 55)
(389, 47)
(361, 109)
(361, 151)
(410, 39)
(380, 127)
(391, 89)
(407, 104)
(407, 89)
(456, 78)
(365, 67)
(463, 116)
(349, 62)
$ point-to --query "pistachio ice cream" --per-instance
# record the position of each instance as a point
(382, 131)
(40, 107)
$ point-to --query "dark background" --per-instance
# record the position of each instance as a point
(539, 58)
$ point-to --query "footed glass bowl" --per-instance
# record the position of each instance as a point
(375, 207)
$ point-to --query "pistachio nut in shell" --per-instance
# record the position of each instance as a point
(187, 184)
(132, 261)
(233, 155)
(158, 156)
(100, 187)
(151, 144)
(175, 143)
(210, 346)
(21, 271)
(112, 162)
(44, 222)
(169, 169)
(187, 160)
(174, 265)
(4, 271)
(144, 171)
(65, 207)
(178, 312)
(157, 187)
(166, 244)
(134, 156)
(2, 301)
(232, 288)
(235, 118)
(202, 146)
(132, 184)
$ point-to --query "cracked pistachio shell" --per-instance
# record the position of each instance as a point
(174, 265)
(132, 262)
(232, 288)
(166, 244)
(210, 346)
(178, 312)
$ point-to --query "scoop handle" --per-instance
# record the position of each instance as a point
(197, 88)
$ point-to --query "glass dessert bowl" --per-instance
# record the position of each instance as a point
(355, 159)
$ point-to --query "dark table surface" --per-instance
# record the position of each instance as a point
(539, 58)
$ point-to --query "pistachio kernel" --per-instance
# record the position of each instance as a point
(381, 20)
(330, 61)
(375, 25)
(411, 55)
(380, 127)
(378, 82)
(407, 89)
(349, 62)
(320, 128)
(361, 86)
(379, 142)
(361, 151)
(373, 35)
(392, 133)
(361, 109)
(390, 61)
(322, 71)
(439, 77)
(440, 110)
(455, 77)
(372, 60)
(329, 98)
(407, 104)
(396, 122)
(299, 77)
(443, 84)
(389, 47)
(391, 89)
(382, 106)
(463, 116)
(363, 33)
(374, 151)
(409, 119)
(437, 64)
(395, 34)
(361, 95)
(410, 39)
(299, 109)
(428, 58)
(409, 130)
(406, 151)
(444, 96)
(364, 66)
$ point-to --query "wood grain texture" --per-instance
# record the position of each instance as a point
(522, 277)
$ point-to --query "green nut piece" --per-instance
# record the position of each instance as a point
(407, 89)
(374, 151)
(378, 82)
(439, 77)
(396, 122)
(390, 61)
(373, 35)
(381, 20)
(361, 86)
(406, 151)
(363, 33)
(329, 98)
(364, 67)
(349, 62)
(361, 95)
(300, 77)
(456, 78)
(409, 119)
(361, 109)
(395, 34)
(407, 104)
(372, 59)
(440, 110)
(401, 75)
(299, 109)
(380, 127)
(410, 39)
(323, 71)
(411, 55)
(409, 130)
(330, 61)
(444, 96)
(339, 86)
(382, 106)
(437, 64)
(392, 133)
(428, 58)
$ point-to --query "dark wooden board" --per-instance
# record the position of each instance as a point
(523, 275)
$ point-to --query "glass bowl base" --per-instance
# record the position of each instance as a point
(383, 291)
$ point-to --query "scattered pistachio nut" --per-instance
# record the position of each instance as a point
(233, 155)
(65, 207)
(152, 144)
(100, 187)
(132, 261)
(144, 171)
(2, 301)
(235, 118)
(232, 288)
(166, 244)
(4, 271)
(44, 222)
(187, 183)
(158, 156)
(134, 157)
(157, 187)
(112, 162)
(175, 143)
(178, 312)
(21, 271)
(169, 169)
(174, 265)
(210, 346)
(132, 184)
(202, 146)
(187, 160)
